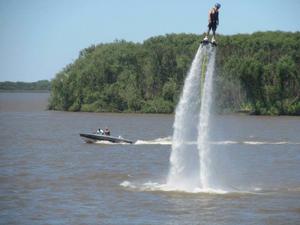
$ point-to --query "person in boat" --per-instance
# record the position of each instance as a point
(213, 22)
(100, 131)
(107, 131)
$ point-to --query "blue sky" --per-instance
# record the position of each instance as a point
(39, 37)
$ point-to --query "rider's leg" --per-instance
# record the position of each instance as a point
(207, 33)
(214, 33)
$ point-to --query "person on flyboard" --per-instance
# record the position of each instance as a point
(213, 22)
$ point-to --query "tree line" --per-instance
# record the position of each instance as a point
(41, 85)
(257, 73)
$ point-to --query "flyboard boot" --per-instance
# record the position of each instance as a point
(213, 41)
(205, 41)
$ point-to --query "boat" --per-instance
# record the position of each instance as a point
(91, 138)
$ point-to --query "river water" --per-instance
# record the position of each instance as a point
(48, 175)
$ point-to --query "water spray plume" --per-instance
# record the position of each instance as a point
(188, 162)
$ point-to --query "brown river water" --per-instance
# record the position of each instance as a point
(49, 175)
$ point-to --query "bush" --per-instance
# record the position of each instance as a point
(158, 105)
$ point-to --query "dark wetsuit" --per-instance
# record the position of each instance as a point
(214, 20)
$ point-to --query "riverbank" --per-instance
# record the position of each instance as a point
(25, 91)
(258, 71)
(20, 86)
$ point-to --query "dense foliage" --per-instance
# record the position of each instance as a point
(257, 73)
(42, 85)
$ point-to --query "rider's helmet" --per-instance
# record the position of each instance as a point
(218, 5)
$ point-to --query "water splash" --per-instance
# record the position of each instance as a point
(184, 160)
(204, 117)
(189, 163)
(157, 141)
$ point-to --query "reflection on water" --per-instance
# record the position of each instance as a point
(22, 102)
(48, 175)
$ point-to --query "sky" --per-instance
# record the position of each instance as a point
(38, 38)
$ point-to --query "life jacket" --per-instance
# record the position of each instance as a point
(214, 15)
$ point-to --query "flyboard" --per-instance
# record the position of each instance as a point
(208, 42)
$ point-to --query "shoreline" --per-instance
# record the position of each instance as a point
(172, 114)
(239, 112)
(25, 91)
